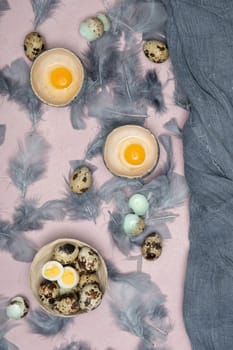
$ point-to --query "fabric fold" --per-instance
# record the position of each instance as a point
(199, 35)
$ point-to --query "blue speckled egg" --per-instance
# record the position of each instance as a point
(105, 20)
(139, 204)
(133, 224)
(91, 29)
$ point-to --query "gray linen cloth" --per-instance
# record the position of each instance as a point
(200, 40)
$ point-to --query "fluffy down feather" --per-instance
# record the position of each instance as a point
(43, 9)
(15, 83)
(2, 133)
(29, 163)
(138, 306)
(75, 346)
(30, 216)
(45, 324)
(4, 6)
(173, 127)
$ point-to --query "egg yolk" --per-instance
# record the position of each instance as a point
(134, 154)
(68, 277)
(52, 271)
(61, 78)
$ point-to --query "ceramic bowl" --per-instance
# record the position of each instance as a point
(131, 151)
(44, 255)
(57, 77)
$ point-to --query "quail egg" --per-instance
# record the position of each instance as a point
(34, 45)
(81, 180)
(90, 297)
(88, 259)
(67, 304)
(52, 270)
(65, 253)
(139, 204)
(152, 246)
(57, 76)
(133, 224)
(17, 308)
(69, 279)
(92, 28)
(156, 51)
(105, 20)
(131, 151)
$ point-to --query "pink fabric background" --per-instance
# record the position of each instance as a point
(98, 327)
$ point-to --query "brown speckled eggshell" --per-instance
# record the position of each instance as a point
(81, 180)
(152, 247)
(156, 51)
(34, 45)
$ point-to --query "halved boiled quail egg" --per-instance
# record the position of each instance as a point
(131, 151)
(69, 279)
(57, 76)
(52, 270)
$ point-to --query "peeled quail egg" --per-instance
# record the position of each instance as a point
(69, 278)
(57, 76)
(139, 204)
(81, 180)
(105, 20)
(34, 44)
(131, 151)
(156, 51)
(17, 308)
(92, 28)
(133, 224)
(52, 270)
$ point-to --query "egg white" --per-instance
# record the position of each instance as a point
(71, 285)
(50, 264)
(117, 142)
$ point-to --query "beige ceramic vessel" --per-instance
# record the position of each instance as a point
(44, 255)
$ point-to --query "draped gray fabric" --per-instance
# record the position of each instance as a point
(200, 40)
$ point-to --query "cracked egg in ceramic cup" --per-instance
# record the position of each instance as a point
(57, 76)
(131, 151)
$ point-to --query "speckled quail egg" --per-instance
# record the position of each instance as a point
(133, 224)
(152, 246)
(87, 278)
(139, 204)
(52, 270)
(17, 308)
(67, 304)
(88, 259)
(69, 279)
(92, 28)
(90, 297)
(48, 292)
(81, 180)
(156, 51)
(105, 20)
(131, 151)
(34, 44)
(65, 253)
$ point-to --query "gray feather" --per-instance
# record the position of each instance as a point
(180, 98)
(74, 164)
(21, 248)
(173, 127)
(3, 304)
(4, 6)
(147, 17)
(29, 163)
(15, 83)
(29, 216)
(75, 346)
(45, 324)
(7, 345)
(139, 311)
(43, 9)
(2, 133)
(5, 233)
(120, 239)
(151, 90)
(83, 206)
